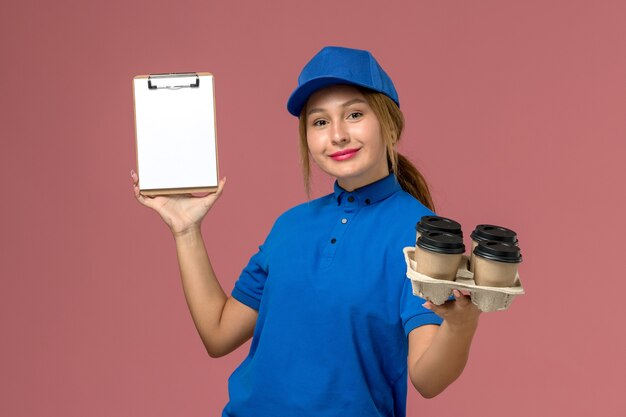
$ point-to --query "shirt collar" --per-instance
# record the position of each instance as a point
(369, 194)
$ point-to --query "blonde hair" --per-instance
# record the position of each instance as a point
(391, 124)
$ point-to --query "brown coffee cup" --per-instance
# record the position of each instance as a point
(438, 254)
(496, 263)
(489, 233)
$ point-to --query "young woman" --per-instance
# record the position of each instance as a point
(335, 326)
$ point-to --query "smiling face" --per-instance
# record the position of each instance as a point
(344, 137)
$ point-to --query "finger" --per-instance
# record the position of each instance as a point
(214, 196)
(220, 187)
(461, 299)
(134, 176)
(439, 310)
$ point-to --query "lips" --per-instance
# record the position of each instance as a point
(344, 154)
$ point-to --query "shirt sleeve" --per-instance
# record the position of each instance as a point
(249, 287)
(412, 313)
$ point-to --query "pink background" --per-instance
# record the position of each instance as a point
(515, 114)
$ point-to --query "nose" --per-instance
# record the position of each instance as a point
(339, 134)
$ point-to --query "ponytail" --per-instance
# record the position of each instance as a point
(413, 182)
(391, 124)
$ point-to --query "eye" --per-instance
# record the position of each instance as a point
(355, 115)
(319, 123)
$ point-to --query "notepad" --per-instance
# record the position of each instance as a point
(175, 133)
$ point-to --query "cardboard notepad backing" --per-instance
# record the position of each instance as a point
(175, 133)
(439, 291)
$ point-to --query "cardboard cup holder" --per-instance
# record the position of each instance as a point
(439, 291)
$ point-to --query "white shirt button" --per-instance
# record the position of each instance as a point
(344, 220)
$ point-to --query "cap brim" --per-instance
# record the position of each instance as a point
(299, 97)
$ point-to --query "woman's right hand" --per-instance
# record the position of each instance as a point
(181, 212)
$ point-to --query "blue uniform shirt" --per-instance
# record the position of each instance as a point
(335, 308)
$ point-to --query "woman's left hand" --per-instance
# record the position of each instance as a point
(458, 313)
(437, 355)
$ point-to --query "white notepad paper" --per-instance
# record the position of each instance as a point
(175, 133)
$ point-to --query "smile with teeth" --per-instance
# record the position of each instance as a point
(344, 154)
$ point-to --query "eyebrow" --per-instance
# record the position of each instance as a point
(346, 104)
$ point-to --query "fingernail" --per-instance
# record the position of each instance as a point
(132, 171)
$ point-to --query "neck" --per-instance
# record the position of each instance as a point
(350, 184)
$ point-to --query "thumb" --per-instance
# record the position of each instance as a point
(146, 201)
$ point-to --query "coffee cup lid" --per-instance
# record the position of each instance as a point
(441, 242)
(499, 251)
(488, 232)
(438, 224)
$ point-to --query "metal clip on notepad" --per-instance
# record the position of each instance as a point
(173, 81)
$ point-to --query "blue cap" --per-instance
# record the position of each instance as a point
(336, 65)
